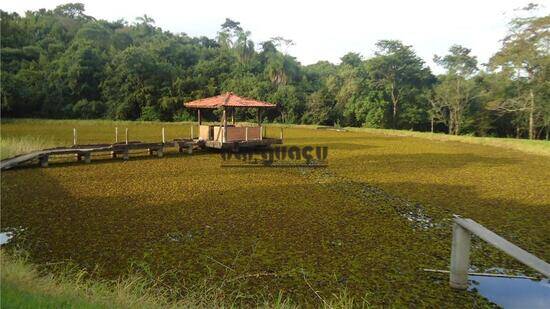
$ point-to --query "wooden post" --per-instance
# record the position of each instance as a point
(43, 161)
(116, 135)
(246, 134)
(261, 132)
(163, 140)
(87, 157)
(281, 133)
(224, 136)
(199, 116)
(74, 136)
(460, 257)
(126, 136)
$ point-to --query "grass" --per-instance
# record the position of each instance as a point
(24, 285)
(309, 234)
(12, 146)
(538, 147)
(17, 143)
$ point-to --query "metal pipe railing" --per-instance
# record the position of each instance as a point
(463, 229)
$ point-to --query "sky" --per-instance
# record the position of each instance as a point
(325, 30)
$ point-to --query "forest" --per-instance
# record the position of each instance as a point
(62, 63)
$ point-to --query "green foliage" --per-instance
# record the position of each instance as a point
(523, 65)
(149, 113)
(89, 109)
(53, 61)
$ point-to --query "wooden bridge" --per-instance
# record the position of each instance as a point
(84, 152)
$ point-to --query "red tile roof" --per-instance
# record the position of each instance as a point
(228, 99)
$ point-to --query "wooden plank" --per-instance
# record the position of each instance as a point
(86, 150)
(504, 245)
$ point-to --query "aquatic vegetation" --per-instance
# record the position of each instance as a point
(367, 224)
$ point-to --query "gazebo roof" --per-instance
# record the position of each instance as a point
(228, 99)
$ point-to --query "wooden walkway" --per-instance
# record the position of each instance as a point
(84, 152)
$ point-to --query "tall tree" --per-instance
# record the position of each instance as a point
(525, 59)
(456, 90)
(398, 72)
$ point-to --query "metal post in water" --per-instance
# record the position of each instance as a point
(116, 134)
(126, 136)
(281, 133)
(246, 134)
(163, 140)
(460, 257)
(192, 132)
(74, 136)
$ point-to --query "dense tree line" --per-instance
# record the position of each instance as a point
(63, 63)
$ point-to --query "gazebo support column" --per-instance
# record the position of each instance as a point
(224, 136)
(260, 123)
(199, 116)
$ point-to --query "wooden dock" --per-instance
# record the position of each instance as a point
(84, 152)
(242, 144)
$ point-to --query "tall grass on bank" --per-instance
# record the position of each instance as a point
(538, 147)
(23, 285)
(12, 146)
(19, 141)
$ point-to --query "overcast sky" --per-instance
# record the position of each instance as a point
(325, 30)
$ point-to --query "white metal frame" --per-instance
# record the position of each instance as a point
(463, 229)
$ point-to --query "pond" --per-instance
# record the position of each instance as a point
(513, 292)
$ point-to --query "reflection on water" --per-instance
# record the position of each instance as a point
(5, 237)
(513, 292)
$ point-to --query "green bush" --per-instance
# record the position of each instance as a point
(149, 113)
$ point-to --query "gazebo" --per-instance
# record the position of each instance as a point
(229, 135)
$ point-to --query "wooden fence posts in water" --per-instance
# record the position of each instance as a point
(160, 151)
(43, 160)
(84, 152)
(113, 154)
(460, 252)
(87, 157)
